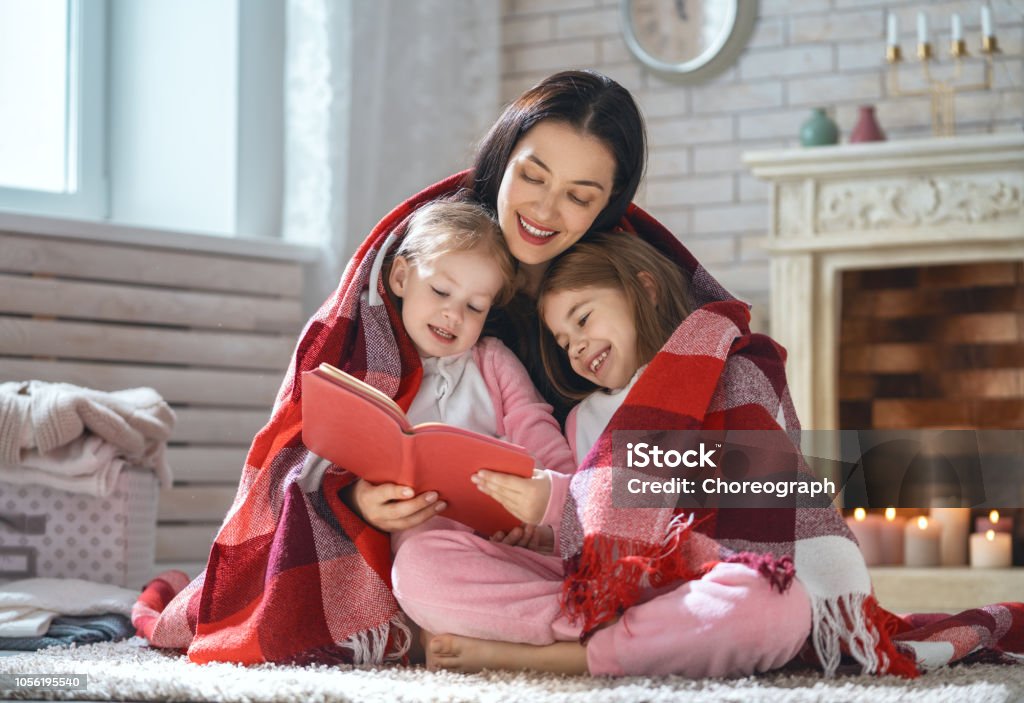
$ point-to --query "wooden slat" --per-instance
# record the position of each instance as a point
(212, 426)
(207, 464)
(892, 304)
(909, 414)
(984, 383)
(913, 413)
(222, 387)
(887, 358)
(916, 358)
(107, 262)
(99, 301)
(79, 340)
(953, 385)
(977, 328)
(185, 542)
(195, 504)
(994, 273)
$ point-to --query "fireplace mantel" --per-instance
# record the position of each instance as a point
(879, 205)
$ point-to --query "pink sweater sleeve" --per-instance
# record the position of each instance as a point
(523, 416)
(556, 503)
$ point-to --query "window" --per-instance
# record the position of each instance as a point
(51, 107)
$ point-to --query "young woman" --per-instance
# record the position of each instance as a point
(565, 158)
(300, 570)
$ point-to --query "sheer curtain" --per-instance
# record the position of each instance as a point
(381, 99)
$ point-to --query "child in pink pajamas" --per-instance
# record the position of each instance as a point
(610, 303)
(450, 268)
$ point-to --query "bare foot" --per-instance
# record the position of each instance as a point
(470, 655)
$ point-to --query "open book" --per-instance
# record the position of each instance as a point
(352, 424)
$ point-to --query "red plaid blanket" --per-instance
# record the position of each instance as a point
(294, 576)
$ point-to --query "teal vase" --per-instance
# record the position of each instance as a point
(819, 129)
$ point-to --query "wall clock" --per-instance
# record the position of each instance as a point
(689, 40)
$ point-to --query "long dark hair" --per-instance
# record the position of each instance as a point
(588, 101)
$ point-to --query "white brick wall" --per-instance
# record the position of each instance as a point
(801, 55)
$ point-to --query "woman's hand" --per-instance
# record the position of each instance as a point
(390, 507)
(526, 498)
(539, 538)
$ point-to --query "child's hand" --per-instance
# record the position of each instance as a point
(526, 498)
(538, 538)
(390, 507)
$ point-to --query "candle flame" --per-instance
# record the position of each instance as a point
(990, 535)
(859, 514)
(993, 517)
(922, 522)
(890, 514)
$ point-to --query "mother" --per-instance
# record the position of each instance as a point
(298, 571)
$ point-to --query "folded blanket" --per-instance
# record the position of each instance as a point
(85, 629)
(88, 465)
(294, 576)
(29, 606)
(45, 430)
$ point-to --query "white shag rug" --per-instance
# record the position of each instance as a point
(130, 670)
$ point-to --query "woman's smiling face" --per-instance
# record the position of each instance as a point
(556, 183)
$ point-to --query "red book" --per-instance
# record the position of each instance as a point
(354, 425)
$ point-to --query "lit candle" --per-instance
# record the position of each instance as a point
(955, 528)
(891, 537)
(921, 543)
(994, 521)
(956, 29)
(867, 528)
(894, 29)
(986, 21)
(922, 28)
(992, 550)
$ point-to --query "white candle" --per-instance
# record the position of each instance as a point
(956, 28)
(922, 28)
(992, 550)
(955, 529)
(867, 529)
(921, 543)
(891, 537)
(986, 21)
(894, 29)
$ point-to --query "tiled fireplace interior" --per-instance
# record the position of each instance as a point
(932, 346)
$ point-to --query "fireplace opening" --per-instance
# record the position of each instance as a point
(938, 347)
(932, 346)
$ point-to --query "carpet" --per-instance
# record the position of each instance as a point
(130, 670)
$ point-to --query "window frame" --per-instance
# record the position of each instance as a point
(87, 89)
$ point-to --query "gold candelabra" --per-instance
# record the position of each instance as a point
(942, 91)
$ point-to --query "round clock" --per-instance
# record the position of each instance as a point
(690, 40)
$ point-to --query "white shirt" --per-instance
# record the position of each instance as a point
(453, 392)
(595, 411)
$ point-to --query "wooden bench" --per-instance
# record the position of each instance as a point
(212, 332)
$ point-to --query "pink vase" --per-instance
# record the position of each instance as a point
(867, 129)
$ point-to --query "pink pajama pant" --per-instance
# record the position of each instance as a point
(729, 623)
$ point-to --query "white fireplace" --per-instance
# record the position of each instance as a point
(872, 206)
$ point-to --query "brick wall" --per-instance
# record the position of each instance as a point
(801, 54)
